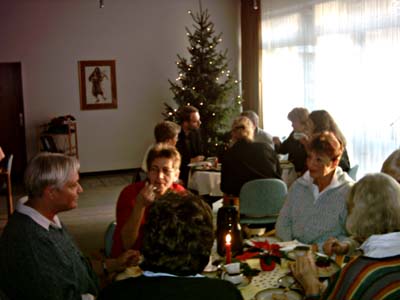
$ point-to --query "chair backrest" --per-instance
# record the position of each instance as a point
(353, 172)
(262, 197)
(108, 238)
(9, 163)
(8, 166)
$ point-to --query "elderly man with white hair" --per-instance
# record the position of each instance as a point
(38, 258)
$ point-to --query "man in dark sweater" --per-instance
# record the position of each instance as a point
(38, 259)
(190, 144)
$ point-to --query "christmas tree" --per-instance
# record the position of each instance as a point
(205, 82)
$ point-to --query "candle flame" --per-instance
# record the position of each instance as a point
(228, 238)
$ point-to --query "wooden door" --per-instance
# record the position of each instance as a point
(12, 128)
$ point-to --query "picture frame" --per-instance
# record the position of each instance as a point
(97, 84)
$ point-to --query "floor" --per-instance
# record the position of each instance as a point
(96, 209)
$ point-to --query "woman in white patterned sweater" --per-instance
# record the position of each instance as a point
(315, 208)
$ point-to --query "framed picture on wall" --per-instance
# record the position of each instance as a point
(97, 84)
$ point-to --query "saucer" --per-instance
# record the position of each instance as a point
(271, 294)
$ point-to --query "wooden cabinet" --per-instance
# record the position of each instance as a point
(62, 139)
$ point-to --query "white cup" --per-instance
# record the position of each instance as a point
(233, 268)
(235, 279)
(301, 250)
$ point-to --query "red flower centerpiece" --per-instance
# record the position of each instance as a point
(269, 254)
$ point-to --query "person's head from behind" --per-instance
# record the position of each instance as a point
(190, 117)
(374, 206)
(299, 118)
(53, 177)
(163, 162)
(323, 154)
(167, 132)
(252, 116)
(242, 129)
(178, 235)
(391, 165)
(321, 120)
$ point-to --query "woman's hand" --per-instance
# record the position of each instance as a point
(147, 195)
(127, 259)
(334, 246)
(306, 273)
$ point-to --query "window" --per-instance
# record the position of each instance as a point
(342, 56)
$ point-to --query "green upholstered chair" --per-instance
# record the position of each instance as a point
(261, 200)
(108, 238)
(353, 172)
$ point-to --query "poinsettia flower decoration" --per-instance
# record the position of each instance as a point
(269, 254)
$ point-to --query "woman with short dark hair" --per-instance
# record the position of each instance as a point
(163, 163)
(320, 121)
(177, 244)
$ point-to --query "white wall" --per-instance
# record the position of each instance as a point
(49, 37)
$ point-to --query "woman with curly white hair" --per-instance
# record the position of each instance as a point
(374, 220)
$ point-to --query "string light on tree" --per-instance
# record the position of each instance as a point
(204, 85)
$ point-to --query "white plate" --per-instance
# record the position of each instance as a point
(210, 268)
(323, 272)
(269, 294)
(134, 271)
(200, 164)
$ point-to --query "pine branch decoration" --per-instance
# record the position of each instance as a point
(205, 81)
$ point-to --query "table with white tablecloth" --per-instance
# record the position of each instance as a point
(207, 182)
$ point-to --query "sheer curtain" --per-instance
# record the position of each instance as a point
(342, 56)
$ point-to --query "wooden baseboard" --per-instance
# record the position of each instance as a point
(110, 172)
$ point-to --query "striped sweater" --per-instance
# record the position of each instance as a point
(375, 275)
(366, 278)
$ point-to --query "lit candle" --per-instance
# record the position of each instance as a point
(228, 248)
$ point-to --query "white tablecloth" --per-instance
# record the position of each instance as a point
(205, 183)
(264, 280)
(208, 182)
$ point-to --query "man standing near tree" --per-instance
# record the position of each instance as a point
(189, 144)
